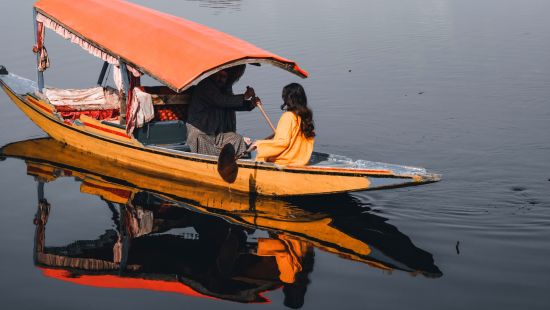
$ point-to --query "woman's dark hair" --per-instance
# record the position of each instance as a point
(295, 101)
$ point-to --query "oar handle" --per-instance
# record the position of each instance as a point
(241, 155)
(266, 117)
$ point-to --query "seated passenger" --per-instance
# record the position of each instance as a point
(211, 122)
(294, 136)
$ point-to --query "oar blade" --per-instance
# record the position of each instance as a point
(227, 164)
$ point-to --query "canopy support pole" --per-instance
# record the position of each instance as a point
(40, 73)
(125, 236)
(125, 77)
(102, 73)
(40, 191)
(126, 83)
(40, 218)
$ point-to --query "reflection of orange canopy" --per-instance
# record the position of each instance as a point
(175, 51)
(112, 281)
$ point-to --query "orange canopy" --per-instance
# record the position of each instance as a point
(175, 51)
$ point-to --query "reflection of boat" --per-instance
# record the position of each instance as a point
(218, 264)
(190, 53)
(240, 245)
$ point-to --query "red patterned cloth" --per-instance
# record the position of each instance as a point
(71, 115)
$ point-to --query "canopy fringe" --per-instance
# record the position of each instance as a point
(74, 38)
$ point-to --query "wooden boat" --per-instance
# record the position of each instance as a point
(179, 54)
(335, 224)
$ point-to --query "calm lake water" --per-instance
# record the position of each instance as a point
(459, 87)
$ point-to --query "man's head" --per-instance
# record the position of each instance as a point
(220, 78)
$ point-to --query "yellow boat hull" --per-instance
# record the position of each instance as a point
(267, 179)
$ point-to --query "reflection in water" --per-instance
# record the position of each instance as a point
(217, 260)
(197, 241)
(219, 4)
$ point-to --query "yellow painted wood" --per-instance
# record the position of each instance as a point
(91, 125)
(44, 173)
(107, 191)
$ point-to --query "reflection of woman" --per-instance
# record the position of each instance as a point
(294, 260)
(288, 252)
(294, 136)
(211, 122)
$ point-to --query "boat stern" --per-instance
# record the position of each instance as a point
(395, 181)
(378, 175)
(428, 178)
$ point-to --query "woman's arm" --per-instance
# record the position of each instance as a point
(281, 140)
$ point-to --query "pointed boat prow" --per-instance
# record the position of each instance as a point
(3, 70)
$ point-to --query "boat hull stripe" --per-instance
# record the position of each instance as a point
(114, 132)
(38, 104)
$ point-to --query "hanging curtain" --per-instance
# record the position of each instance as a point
(40, 49)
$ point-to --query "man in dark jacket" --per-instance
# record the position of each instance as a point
(211, 121)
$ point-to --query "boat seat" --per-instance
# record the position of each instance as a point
(162, 133)
(183, 147)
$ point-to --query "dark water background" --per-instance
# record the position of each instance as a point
(459, 87)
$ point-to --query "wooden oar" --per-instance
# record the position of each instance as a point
(260, 106)
(227, 161)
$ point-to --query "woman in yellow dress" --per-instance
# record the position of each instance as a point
(293, 141)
